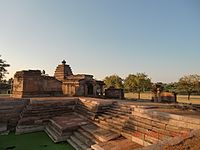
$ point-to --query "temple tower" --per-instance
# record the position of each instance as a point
(62, 71)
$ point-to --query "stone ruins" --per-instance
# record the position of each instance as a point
(100, 124)
(32, 83)
(89, 123)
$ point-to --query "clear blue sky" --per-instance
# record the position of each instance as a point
(105, 37)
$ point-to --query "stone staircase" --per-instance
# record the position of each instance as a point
(87, 137)
(104, 130)
(37, 113)
(123, 119)
(114, 118)
(60, 128)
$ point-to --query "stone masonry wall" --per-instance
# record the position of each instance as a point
(150, 126)
(32, 84)
(10, 110)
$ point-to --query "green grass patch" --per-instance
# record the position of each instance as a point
(31, 141)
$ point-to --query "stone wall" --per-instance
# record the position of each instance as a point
(114, 93)
(10, 110)
(38, 111)
(150, 126)
(31, 84)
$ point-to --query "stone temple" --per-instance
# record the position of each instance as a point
(32, 83)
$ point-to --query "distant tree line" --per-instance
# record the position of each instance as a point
(140, 82)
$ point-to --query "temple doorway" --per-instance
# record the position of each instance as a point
(90, 89)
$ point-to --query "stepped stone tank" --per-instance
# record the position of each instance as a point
(101, 124)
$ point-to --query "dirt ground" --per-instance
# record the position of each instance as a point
(188, 144)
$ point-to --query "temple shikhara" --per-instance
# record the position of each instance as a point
(32, 83)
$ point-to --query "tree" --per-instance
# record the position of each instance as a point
(173, 88)
(3, 70)
(137, 83)
(189, 84)
(113, 81)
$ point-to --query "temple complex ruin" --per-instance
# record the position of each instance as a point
(32, 83)
(69, 108)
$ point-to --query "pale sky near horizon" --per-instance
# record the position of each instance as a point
(158, 37)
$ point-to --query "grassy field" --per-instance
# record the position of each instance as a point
(194, 99)
(32, 141)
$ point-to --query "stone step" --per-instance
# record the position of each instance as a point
(147, 137)
(111, 125)
(114, 110)
(54, 136)
(78, 142)
(3, 129)
(161, 134)
(74, 145)
(88, 135)
(114, 117)
(116, 121)
(28, 129)
(83, 138)
(121, 109)
(122, 106)
(100, 133)
(117, 144)
(137, 138)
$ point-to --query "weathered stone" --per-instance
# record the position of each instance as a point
(118, 144)
(101, 134)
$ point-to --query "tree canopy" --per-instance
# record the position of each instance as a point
(189, 84)
(3, 69)
(113, 81)
(138, 83)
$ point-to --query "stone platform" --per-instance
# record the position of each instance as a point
(60, 128)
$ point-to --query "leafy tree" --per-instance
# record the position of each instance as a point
(137, 83)
(189, 84)
(113, 81)
(158, 85)
(3, 70)
(173, 88)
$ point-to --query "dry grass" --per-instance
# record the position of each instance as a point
(194, 99)
(146, 95)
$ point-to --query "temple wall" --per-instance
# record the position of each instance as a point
(17, 87)
(69, 89)
(33, 84)
(114, 93)
(10, 110)
(50, 84)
